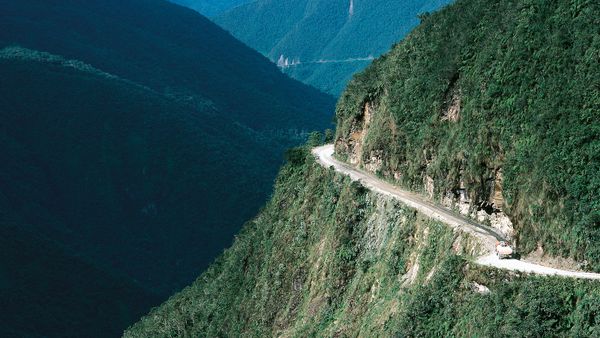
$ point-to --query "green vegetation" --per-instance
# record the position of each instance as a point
(525, 76)
(327, 258)
(478, 89)
(324, 30)
(174, 51)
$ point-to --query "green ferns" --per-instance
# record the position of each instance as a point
(525, 74)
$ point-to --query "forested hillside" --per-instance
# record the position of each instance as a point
(505, 115)
(120, 173)
(210, 7)
(340, 31)
(489, 105)
(328, 258)
(148, 197)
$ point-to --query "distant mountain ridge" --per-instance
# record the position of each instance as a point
(210, 7)
(311, 30)
(171, 49)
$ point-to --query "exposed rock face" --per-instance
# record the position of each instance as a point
(429, 186)
(496, 197)
(485, 204)
(374, 163)
(479, 288)
(452, 113)
(354, 145)
(484, 209)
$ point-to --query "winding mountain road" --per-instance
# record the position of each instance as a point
(486, 234)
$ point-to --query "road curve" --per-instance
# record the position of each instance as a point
(486, 234)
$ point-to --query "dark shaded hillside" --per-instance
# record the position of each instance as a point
(197, 177)
(170, 49)
(116, 172)
(46, 292)
(313, 30)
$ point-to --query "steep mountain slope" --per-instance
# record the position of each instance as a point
(172, 50)
(500, 121)
(149, 198)
(333, 259)
(490, 107)
(121, 174)
(47, 292)
(312, 30)
(210, 7)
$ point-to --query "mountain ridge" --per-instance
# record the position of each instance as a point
(52, 174)
(210, 7)
(313, 30)
(170, 49)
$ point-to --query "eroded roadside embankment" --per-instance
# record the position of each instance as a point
(487, 235)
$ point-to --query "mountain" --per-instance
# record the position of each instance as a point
(120, 173)
(47, 292)
(172, 50)
(500, 122)
(334, 259)
(324, 42)
(487, 107)
(210, 7)
(152, 173)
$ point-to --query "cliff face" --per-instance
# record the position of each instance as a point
(328, 258)
(484, 202)
(491, 108)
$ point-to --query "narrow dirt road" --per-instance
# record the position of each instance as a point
(486, 234)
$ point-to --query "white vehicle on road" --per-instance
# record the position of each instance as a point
(503, 250)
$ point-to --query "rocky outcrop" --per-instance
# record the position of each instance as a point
(487, 209)
(353, 145)
(484, 203)
(452, 112)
